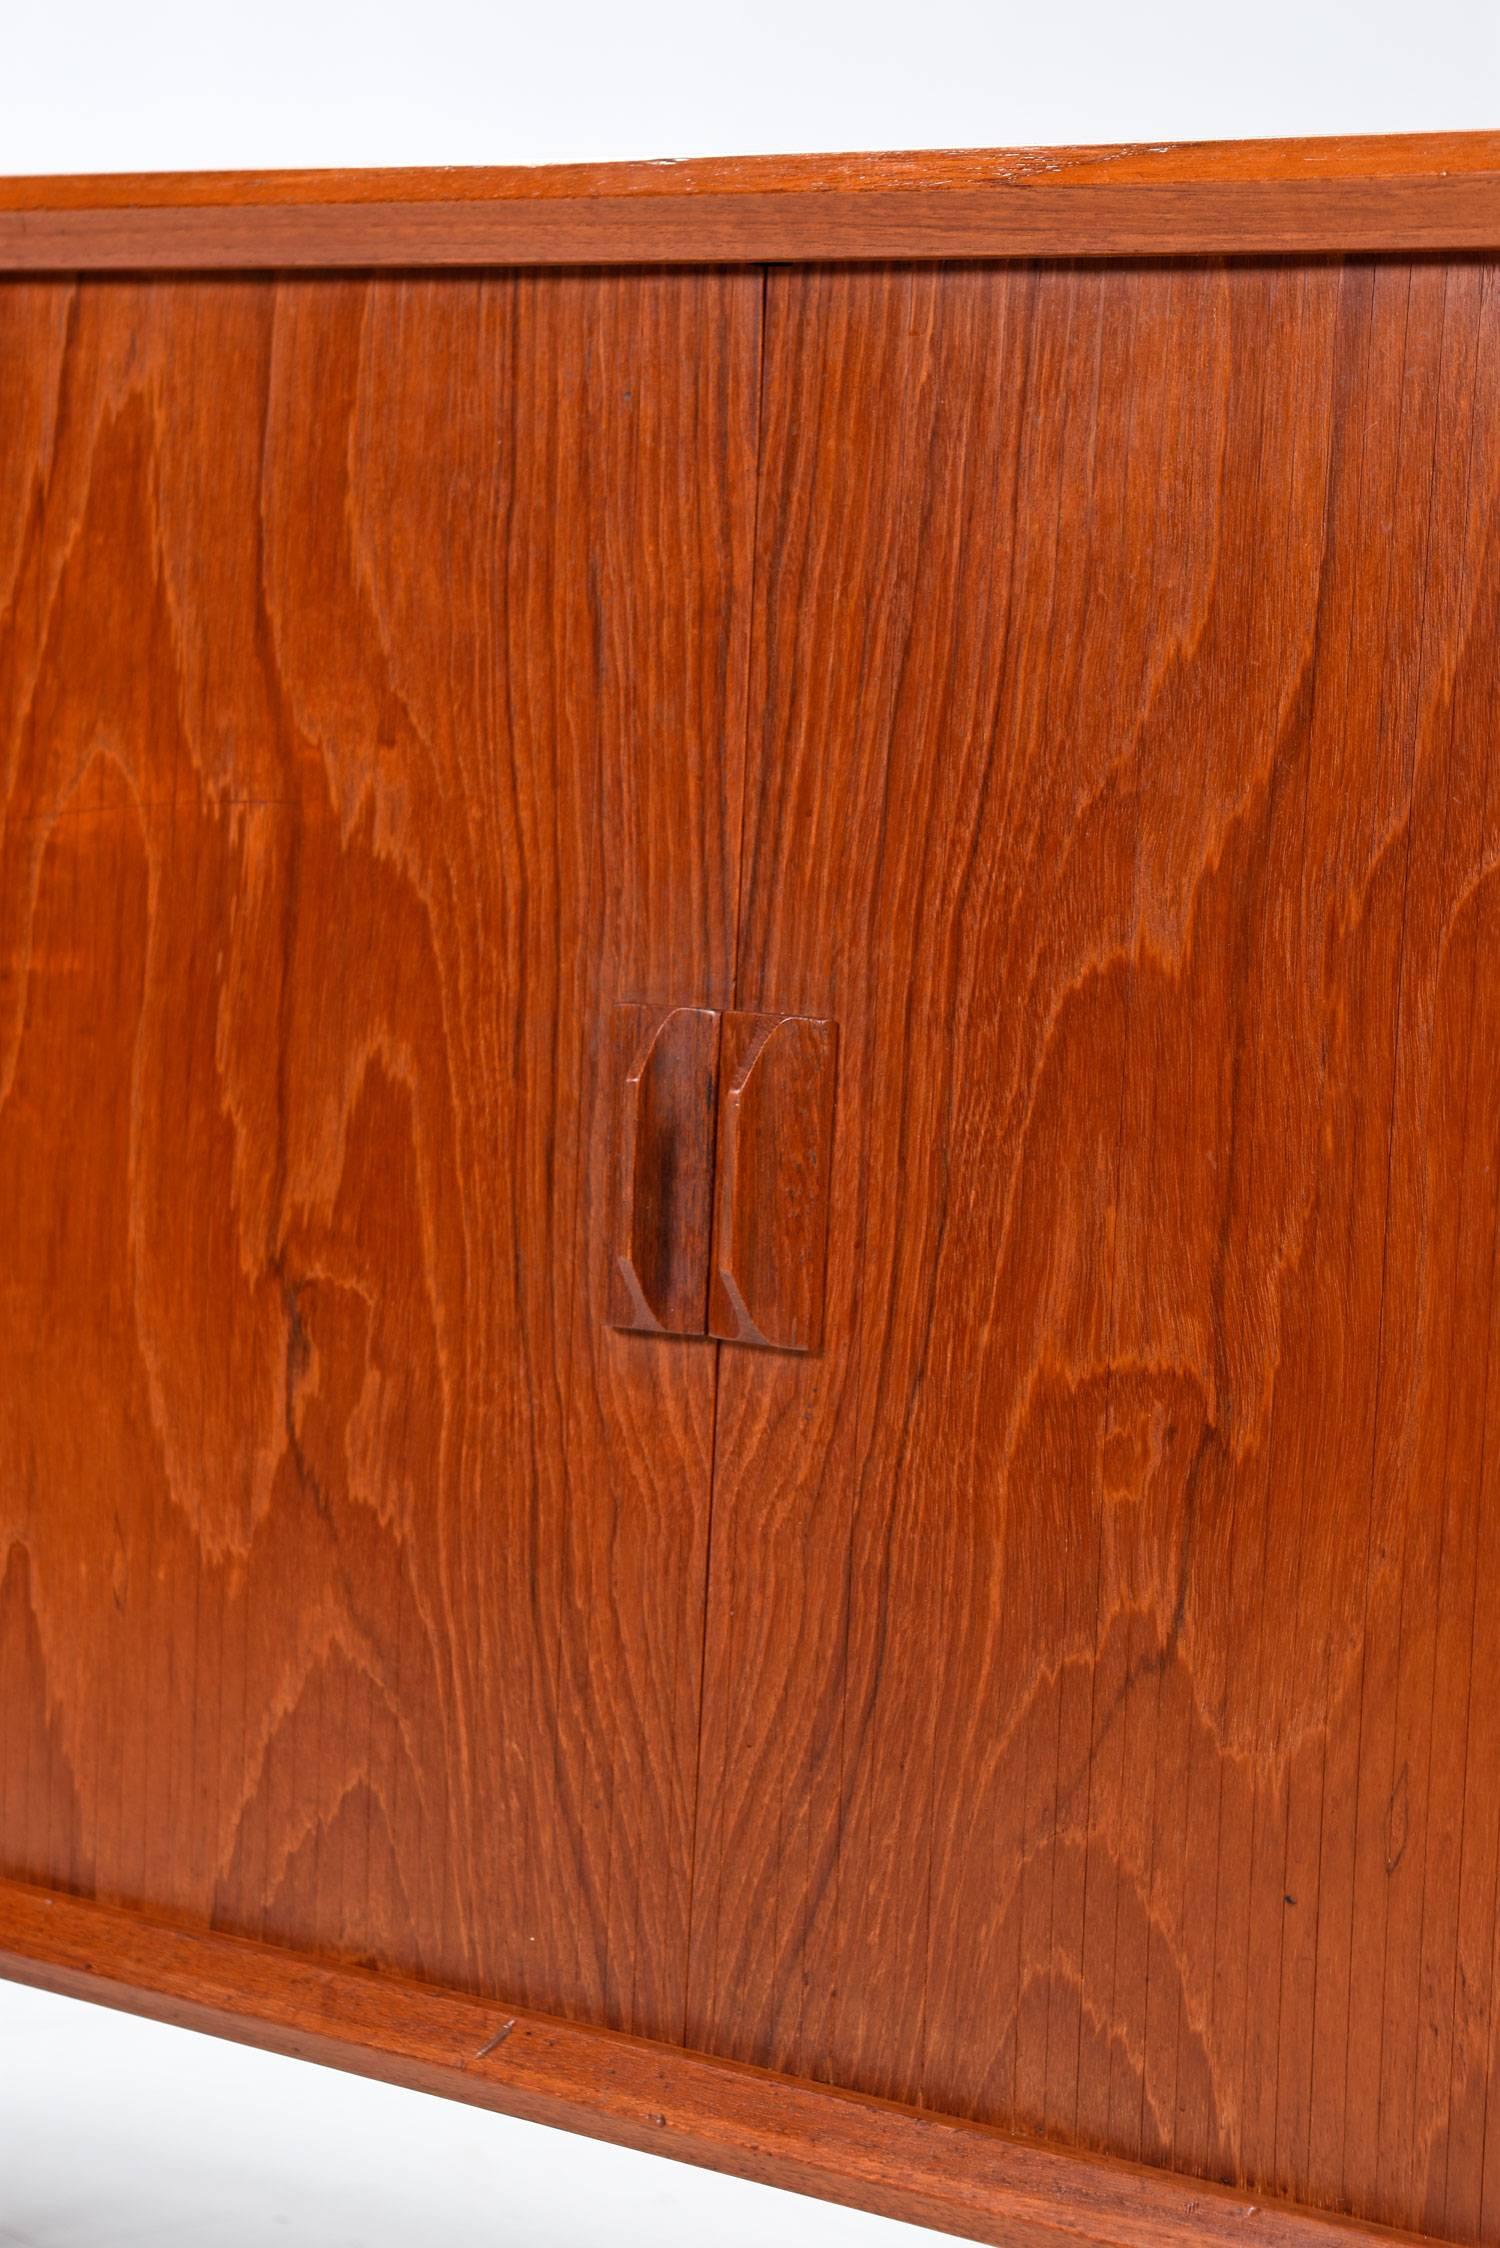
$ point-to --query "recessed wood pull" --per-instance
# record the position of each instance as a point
(745, 1173)
(667, 1068)
(771, 1203)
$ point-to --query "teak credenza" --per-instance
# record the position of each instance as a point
(750, 1158)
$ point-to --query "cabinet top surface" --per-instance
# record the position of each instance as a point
(1366, 157)
(1399, 193)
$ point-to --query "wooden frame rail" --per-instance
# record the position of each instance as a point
(1262, 198)
(958, 2177)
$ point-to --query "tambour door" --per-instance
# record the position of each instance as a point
(371, 683)
(1102, 1733)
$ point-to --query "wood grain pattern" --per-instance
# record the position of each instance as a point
(1101, 1726)
(371, 699)
(1396, 193)
(1343, 156)
(1099, 1737)
(666, 1078)
(895, 2161)
(771, 1187)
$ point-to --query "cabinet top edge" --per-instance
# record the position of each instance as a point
(1397, 193)
(1367, 157)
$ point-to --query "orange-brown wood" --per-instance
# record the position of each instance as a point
(1350, 157)
(1099, 1738)
(771, 1189)
(1102, 1734)
(667, 1064)
(896, 2161)
(1411, 192)
(371, 676)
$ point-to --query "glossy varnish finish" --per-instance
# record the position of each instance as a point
(1104, 1669)
(371, 690)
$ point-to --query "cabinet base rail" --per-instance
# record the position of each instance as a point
(965, 2178)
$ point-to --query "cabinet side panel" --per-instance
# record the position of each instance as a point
(1102, 1733)
(371, 673)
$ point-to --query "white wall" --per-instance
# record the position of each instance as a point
(95, 85)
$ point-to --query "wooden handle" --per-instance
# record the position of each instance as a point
(775, 1143)
(664, 1168)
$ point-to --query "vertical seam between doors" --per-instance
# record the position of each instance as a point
(752, 595)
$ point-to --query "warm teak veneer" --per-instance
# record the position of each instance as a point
(1117, 1652)
(351, 1566)
(667, 1062)
(1015, 727)
(1436, 192)
(772, 1181)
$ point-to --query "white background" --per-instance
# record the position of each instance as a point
(115, 2133)
(167, 84)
